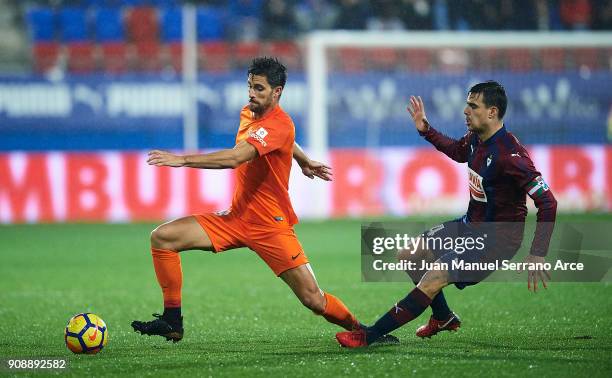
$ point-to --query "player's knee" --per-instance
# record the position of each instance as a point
(414, 256)
(429, 288)
(432, 282)
(161, 237)
(404, 255)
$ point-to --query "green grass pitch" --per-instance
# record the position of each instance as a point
(243, 321)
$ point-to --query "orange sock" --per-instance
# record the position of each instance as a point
(169, 275)
(337, 313)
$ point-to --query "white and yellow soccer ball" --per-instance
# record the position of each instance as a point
(86, 333)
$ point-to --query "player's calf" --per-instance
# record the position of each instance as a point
(314, 301)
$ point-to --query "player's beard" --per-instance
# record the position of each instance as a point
(254, 107)
(258, 107)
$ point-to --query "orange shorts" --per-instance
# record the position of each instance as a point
(278, 247)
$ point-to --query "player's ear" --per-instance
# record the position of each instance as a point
(493, 112)
(277, 92)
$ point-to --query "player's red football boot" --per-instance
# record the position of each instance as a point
(452, 323)
(352, 339)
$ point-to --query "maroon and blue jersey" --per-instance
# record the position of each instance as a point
(500, 175)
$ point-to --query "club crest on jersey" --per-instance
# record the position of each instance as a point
(489, 159)
(476, 188)
(259, 135)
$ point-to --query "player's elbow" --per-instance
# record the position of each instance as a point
(547, 206)
(551, 204)
(238, 156)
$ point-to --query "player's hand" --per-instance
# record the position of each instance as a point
(416, 108)
(535, 275)
(164, 158)
(314, 169)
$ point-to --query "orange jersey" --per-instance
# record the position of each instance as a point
(262, 184)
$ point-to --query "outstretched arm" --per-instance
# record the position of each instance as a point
(311, 168)
(299, 155)
(458, 150)
(230, 158)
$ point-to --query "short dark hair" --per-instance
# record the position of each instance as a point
(271, 68)
(493, 94)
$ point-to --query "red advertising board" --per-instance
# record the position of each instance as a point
(120, 186)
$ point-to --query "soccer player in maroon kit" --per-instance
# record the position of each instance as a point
(501, 173)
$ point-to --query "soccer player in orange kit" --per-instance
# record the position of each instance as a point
(261, 216)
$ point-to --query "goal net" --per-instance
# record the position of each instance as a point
(359, 84)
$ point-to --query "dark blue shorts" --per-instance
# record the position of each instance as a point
(459, 244)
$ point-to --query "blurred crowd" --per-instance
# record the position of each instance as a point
(286, 19)
(89, 33)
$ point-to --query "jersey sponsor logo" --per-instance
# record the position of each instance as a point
(296, 256)
(476, 188)
(259, 135)
(262, 132)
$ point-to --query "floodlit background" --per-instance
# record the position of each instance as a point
(87, 86)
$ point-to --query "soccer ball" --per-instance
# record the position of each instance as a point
(86, 333)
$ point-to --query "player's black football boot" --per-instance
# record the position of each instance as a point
(171, 329)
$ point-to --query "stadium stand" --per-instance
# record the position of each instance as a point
(214, 56)
(210, 23)
(108, 25)
(145, 35)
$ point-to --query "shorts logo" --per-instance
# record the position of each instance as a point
(476, 189)
(432, 231)
(259, 135)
